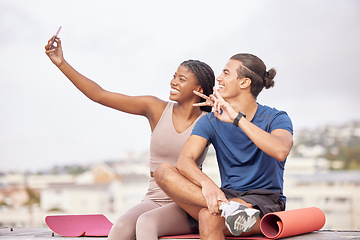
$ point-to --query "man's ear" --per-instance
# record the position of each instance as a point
(245, 83)
(199, 89)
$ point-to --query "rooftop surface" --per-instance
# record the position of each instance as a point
(47, 234)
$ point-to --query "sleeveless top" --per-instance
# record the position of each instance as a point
(165, 147)
(166, 144)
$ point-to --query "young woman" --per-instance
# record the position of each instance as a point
(171, 124)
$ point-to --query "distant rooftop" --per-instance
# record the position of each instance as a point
(330, 177)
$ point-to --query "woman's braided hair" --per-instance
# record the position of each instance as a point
(205, 76)
(254, 68)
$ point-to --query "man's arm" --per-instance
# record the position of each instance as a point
(276, 144)
(186, 165)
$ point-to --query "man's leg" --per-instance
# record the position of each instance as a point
(182, 191)
(190, 198)
(211, 226)
(256, 229)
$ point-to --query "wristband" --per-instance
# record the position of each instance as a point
(237, 119)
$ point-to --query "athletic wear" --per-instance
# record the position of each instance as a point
(146, 220)
(238, 218)
(265, 200)
(166, 144)
(165, 147)
(243, 166)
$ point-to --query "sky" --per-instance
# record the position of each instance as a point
(134, 47)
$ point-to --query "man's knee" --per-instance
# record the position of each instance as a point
(204, 216)
(209, 223)
(161, 173)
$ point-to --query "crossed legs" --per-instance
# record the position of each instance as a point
(190, 198)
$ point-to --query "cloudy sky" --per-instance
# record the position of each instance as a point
(134, 47)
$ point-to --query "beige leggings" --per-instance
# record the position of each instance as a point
(152, 218)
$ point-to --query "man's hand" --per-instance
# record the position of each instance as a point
(222, 109)
(213, 196)
(208, 101)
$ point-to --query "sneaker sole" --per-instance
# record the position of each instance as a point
(242, 221)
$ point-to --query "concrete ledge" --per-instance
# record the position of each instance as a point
(47, 234)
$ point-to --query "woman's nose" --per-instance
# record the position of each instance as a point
(173, 82)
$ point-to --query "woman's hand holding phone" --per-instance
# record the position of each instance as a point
(55, 53)
(53, 40)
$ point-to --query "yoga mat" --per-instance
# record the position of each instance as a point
(79, 225)
(185, 236)
(197, 236)
(292, 222)
(273, 225)
(281, 224)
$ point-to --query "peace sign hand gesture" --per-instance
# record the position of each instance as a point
(208, 102)
(222, 109)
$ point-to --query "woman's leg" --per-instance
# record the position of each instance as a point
(167, 220)
(124, 226)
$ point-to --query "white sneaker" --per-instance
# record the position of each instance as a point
(238, 218)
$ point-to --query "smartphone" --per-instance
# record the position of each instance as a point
(56, 34)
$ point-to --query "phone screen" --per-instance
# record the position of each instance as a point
(56, 34)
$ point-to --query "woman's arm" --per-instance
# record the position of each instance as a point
(148, 106)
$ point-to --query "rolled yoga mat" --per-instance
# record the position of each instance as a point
(292, 222)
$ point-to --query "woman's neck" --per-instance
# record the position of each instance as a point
(188, 111)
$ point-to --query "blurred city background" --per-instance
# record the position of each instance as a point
(60, 153)
(322, 171)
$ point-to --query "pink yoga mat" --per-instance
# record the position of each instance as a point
(292, 222)
(197, 236)
(79, 225)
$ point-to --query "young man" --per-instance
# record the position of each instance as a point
(252, 142)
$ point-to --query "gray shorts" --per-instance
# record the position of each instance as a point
(265, 200)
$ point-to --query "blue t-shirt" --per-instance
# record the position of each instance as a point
(243, 166)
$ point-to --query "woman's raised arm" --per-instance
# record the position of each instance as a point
(148, 106)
